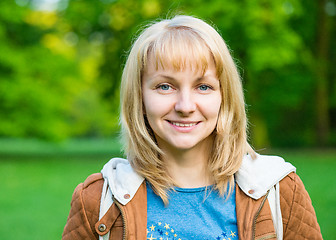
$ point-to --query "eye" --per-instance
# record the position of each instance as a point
(164, 87)
(204, 87)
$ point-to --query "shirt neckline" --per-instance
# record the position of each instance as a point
(192, 190)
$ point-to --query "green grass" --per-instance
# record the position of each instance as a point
(36, 186)
(37, 180)
(36, 195)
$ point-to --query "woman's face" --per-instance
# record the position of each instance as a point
(181, 106)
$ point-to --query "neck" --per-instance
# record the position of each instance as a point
(189, 168)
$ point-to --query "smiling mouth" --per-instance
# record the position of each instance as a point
(179, 124)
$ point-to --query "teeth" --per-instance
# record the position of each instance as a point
(184, 124)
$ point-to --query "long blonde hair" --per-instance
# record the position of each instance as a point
(178, 42)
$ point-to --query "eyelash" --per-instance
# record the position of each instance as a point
(160, 87)
(205, 85)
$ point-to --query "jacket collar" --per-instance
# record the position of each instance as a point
(123, 181)
(255, 176)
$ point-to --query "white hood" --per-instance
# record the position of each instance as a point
(255, 176)
(121, 179)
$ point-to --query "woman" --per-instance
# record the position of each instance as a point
(190, 172)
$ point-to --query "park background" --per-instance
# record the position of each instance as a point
(60, 69)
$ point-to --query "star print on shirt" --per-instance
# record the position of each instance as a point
(152, 228)
(151, 237)
(232, 236)
(163, 231)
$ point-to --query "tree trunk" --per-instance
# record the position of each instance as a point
(321, 70)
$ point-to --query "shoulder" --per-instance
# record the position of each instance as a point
(90, 186)
(292, 189)
(87, 196)
(299, 217)
(84, 210)
(89, 192)
(289, 185)
(291, 181)
(93, 182)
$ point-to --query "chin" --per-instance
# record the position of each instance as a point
(184, 146)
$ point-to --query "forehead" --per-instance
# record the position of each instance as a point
(177, 50)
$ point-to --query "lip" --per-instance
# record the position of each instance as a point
(183, 126)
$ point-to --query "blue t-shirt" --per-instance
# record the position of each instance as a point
(192, 213)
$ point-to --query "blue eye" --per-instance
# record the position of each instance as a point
(204, 87)
(164, 87)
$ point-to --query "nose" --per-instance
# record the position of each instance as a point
(185, 103)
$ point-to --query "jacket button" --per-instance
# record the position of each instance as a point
(127, 196)
(251, 191)
(102, 227)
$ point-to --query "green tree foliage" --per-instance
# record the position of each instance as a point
(31, 95)
(60, 70)
(46, 91)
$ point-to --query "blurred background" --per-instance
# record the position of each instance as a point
(60, 69)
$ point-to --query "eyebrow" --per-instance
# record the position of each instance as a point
(166, 76)
(174, 79)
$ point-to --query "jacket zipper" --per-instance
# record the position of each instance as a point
(256, 216)
(123, 218)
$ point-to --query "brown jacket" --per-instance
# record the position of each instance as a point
(129, 222)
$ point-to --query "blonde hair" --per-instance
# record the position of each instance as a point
(180, 42)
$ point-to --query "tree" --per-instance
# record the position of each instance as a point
(321, 67)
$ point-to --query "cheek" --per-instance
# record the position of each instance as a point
(155, 107)
(149, 112)
(211, 106)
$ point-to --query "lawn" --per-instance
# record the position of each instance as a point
(37, 184)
